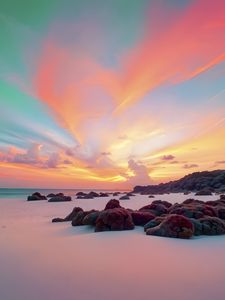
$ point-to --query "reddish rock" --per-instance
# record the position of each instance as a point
(212, 226)
(79, 217)
(114, 219)
(142, 217)
(113, 203)
(91, 218)
(153, 223)
(69, 217)
(175, 226)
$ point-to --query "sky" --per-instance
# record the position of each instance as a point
(110, 93)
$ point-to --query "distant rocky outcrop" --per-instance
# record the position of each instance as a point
(204, 182)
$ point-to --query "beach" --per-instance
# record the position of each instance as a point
(44, 260)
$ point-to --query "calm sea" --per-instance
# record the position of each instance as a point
(14, 193)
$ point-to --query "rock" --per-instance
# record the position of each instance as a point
(113, 203)
(187, 193)
(93, 194)
(58, 220)
(80, 194)
(91, 218)
(69, 217)
(51, 195)
(114, 219)
(197, 226)
(103, 195)
(212, 226)
(155, 207)
(163, 202)
(115, 194)
(36, 196)
(153, 223)
(175, 226)
(130, 194)
(142, 217)
(222, 197)
(60, 194)
(60, 199)
(221, 213)
(151, 196)
(73, 214)
(192, 201)
(79, 217)
(204, 193)
(124, 197)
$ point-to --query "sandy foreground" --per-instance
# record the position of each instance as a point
(42, 260)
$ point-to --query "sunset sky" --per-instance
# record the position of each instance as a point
(110, 93)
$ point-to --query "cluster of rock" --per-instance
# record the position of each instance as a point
(203, 182)
(90, 195)
(159, 218)
(59, 197)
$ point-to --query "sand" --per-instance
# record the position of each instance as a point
(41, 260)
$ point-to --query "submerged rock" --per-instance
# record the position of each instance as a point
(124, 197)
(60, 199)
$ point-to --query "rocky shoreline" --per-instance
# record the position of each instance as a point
(160, 218)
(204, 182)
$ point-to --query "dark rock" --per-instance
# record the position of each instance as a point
(60, 199)
(115, 194)
(93, 194)
(69, 217)
(114, 219)
(212, 226)
(124, 197)
(163, 202)
(192, 201)
(151, 196)
(91, 218)
(153, 223)
(141, 217)
(36, 196)
(79, 217)
(51, 195)
(58, 220)
(73, 214)
(103, 195)
(155, 207)
(197, 226)
(175, 226)
(113, 203)
(130, 194)
(80, 194)
(204, 193)
(59, 195)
